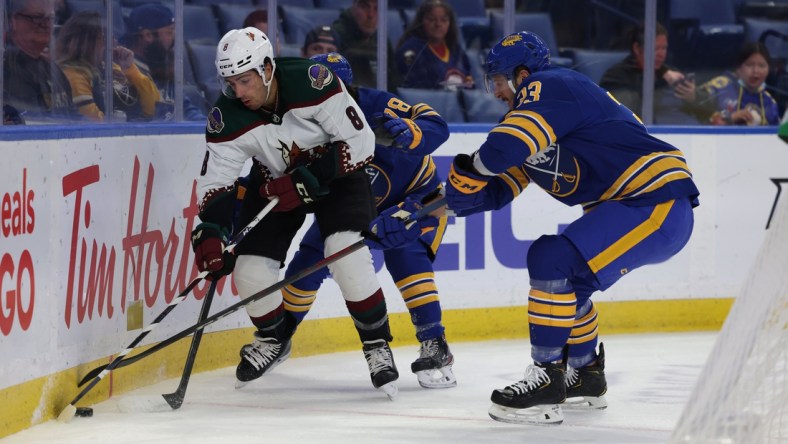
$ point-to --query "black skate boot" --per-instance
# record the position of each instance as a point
(433, 367)
(260, 357)
(586, 386)
(542, 388)
(382, 369)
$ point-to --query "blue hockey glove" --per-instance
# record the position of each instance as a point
(390, 229)
(464, 185)
(396, 131)
(405, 132)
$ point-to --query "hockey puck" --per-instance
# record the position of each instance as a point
(84, 412)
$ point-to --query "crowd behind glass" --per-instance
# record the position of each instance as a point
(710, 68)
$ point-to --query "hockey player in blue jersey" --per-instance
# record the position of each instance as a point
(402, 172)
(574, 140)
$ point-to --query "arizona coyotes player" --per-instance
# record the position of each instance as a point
(308, 141)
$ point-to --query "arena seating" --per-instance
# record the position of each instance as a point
(200, 25)
(773, 34)
(299, 21)
(594, 63)
(481, 106)
(446, 103)
(231, 15)
(704, 34)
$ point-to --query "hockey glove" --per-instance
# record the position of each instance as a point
(405, 132)
(398, 132)
(464, 185)
(208, 242)
(294, 189)
(390, 230)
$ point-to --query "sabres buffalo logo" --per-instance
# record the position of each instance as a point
(556, 174)
(320, 75)
(511, 40)
(215, 123)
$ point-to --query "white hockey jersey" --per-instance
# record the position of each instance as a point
(313, 109)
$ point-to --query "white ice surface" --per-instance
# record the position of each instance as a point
(329, 399)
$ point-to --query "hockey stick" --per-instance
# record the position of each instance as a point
(424, 211)
(172, 401)
(175, 399)
(229, 248)
(68, 413)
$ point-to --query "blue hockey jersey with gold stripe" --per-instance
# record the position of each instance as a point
(395, 171)
(574, 140)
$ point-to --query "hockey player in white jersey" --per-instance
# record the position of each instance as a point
(309, 141)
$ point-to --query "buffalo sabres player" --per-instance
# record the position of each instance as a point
(575, 141)
(402, 172)
(309, 142)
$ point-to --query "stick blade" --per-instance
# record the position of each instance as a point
(67, 414)
(175, 400)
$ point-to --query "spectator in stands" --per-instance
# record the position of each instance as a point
(11, 116)
(61, 12)
(357, 28)
(429, 54)
(259, 19)
(33, 83)
(150, 34)
(625, 81)
(320, 40)
(740, 97)
(80, 49)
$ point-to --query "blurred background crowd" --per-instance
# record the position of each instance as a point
(716, 62)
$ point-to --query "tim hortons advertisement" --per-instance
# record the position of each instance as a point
(92, 229)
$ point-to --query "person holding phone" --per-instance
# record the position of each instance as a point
(673, 90)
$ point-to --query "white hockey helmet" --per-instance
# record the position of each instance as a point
(241, 50)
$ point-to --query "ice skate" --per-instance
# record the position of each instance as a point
(534, 400)
(382, 369)
(433, 367)
(259, 358)
(586, 386)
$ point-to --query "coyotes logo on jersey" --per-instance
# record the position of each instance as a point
(294, 156)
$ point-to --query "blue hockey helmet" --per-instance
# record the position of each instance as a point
(519, 49)
(338, 64)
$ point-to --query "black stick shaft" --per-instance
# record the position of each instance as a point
(175, 399)
(114, 363)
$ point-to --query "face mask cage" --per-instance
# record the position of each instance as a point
(227, 90)
(490, 80)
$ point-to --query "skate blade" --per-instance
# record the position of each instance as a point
(390, 389)
(549, 414)
(437, 378)
(241, 384)
(585, 403)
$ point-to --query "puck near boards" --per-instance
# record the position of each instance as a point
(84, 412)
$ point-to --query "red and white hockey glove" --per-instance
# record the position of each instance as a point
(294, 189)
(208, 242)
